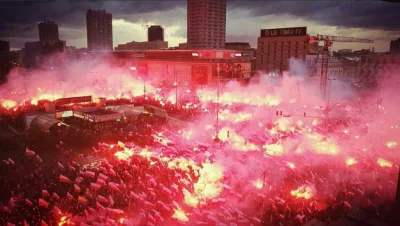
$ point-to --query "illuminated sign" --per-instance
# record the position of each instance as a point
(292, 31)
(72, 100)
(64, 114)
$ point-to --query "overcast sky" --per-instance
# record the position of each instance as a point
(378, 20)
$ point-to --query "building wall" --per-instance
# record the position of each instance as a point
(48, 31)
(141, 46)
(273, 53)
(206, 24)
(99, 30)
(395, 46)
(372, 67)
(335, 67)
(155, 33)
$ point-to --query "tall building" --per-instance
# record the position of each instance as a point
(5, 63)
(276, 46)
(141, 46)
(155, 33)
(206, 24)
(99, 30)
(4, 46)
(395, 46)
(48, 31)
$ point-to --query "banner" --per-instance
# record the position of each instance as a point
(199, 74)
(232, 70)
(72, 100)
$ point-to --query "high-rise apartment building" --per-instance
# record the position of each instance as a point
(276, 46)
(99, 30)
(206, 24)
(155, 33)
(48, 31)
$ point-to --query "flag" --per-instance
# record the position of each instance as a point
(10, 224)
(134, 196)
(45, 193)
(89, 174)
(11, 161)
(43, 223)
(11, 202)
(69, 196)
(82, 200)
(38, 159)
(101, 182)
(25, 223)
(30, 153)
(111, 200)
(102, 199)
(43, 203)
(148, 205)
(99, 207)
(27, 202)
(55, 196)
(56, 210)
(102, 177)
(76, 188)
(94, 186)
(71, 168)
(112, 172)
(64, 179)
(60, 166)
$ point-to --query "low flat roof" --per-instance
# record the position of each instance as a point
(96, 111)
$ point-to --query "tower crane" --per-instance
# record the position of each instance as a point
(328, 41)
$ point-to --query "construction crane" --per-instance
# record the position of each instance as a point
(328, 41)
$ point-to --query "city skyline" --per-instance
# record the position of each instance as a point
(375, 20)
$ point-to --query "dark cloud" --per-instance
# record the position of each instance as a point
(359, 14)
(18, 19)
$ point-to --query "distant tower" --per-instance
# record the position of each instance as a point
(99, 30)
(206, 24)
(155, 33)
(48, 31)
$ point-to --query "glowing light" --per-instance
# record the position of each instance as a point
(258, 184)
(391, 144)
(274, 149)
(384, 163)
(180, 215)
(291, 165)
(351, 161)
(8, 104)
(302, 192)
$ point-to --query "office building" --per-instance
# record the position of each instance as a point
(276, 46)
(48, 31)
(395, 46)
(182, 46)
(155, 33)
(188, 67)
(206, 24)
(36, 53)
(141, 46)
(99, 30)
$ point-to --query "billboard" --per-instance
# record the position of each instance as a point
(72, 100)
(64, 114)
(232, 70)
(278, 32)
(199, 74)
